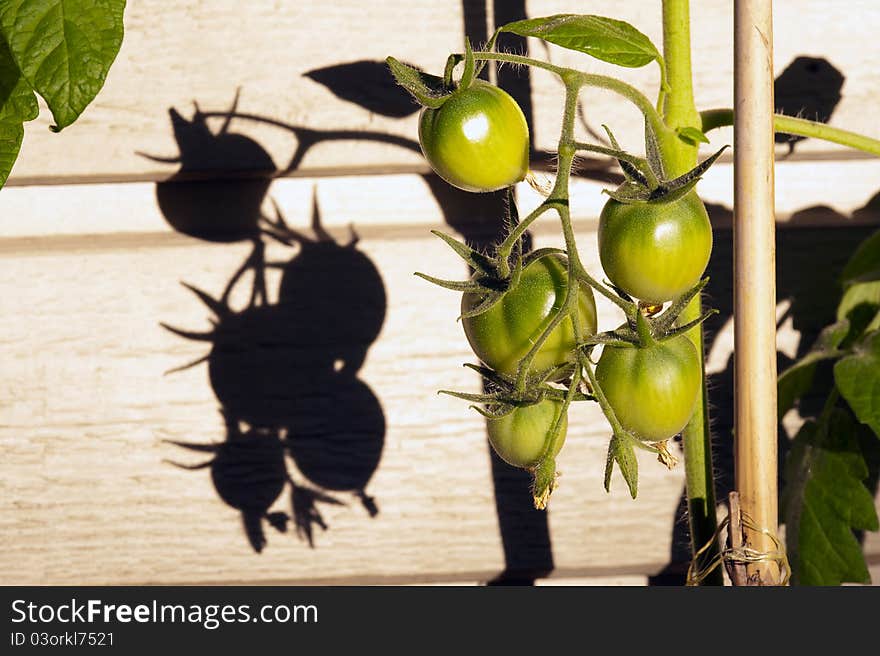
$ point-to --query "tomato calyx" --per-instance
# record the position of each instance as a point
(646, 178)
(650, 325)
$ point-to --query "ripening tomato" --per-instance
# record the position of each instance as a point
(504, 333)
(478, 140)
(520, 438)
(655, 251)
(652, 389)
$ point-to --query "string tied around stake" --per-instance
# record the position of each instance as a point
(734, 556)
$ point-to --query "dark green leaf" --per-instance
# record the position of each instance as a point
(861, 297)
(607, 39)
(692, 136)
(428, 89)
(823, 500)
(796, 381)
(621, 451)
(857, 376)
(64, 48)
(864, 265)
(17, 105)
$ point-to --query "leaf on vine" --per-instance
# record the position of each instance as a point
(796, 381)
(857, 376)
(63, 48)
(823, 500)
(17, 105)
(428, 89)
(864, 265)
(621, 451)
(613, 41)
(861, 305)
(692, 136)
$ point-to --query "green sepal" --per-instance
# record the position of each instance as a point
(454, 285)
(495, 410)
(652, 151)
(467, 76)
(428, 89)
(680, 330)
(610, 338)
(472, 258)
(630, 192)
(671, 190)
(489, 300)
(664, 322)
(621, 451)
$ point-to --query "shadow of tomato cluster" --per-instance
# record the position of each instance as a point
(285, 372)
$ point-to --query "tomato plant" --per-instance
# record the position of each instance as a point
(478, 140)
(522, 438)
(655, 251)
(502, 335)
(528, 318)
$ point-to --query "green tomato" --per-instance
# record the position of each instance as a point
(652, 389)
(655, 251)
(504, 333)
(478, 140)
(520, 438)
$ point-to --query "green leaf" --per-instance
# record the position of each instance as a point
(17, 105)
(63, 48)
(857, 376)
(796, 381)
(823, 500)
(607, 39)
(652, 152)
(692, 136)
(864, 265)
(621, 451)
(428, 89)
(862, 298)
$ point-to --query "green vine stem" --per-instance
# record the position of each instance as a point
(717, 118)
(678, 156)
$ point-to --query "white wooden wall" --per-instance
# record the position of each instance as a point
(89, 267)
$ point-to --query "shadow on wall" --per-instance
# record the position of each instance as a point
(295, 411)
(278, 396)
(806, 277)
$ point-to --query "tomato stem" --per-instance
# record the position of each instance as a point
(679, 157)
(574, 78)
(717, 118)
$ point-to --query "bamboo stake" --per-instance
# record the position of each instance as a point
(754, 277)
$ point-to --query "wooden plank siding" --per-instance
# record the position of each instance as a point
(91, 266)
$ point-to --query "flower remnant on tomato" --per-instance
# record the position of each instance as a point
(477, 140)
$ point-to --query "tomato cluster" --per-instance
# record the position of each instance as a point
(653, 249)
